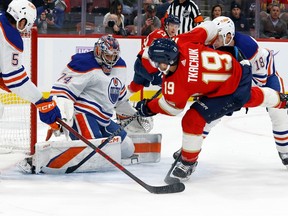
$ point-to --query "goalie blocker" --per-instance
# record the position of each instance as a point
(55, 157)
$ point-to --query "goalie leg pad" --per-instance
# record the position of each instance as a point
(127, 148)
(55, 157)
(147, 146)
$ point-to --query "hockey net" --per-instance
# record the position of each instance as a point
(18, 118)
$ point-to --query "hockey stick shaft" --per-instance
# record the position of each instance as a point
(115, 133)
(172, 188)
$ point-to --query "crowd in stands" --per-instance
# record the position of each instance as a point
(124, 17)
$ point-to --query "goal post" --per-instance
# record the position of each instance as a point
(18, 122)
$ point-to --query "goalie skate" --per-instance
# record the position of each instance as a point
(26, 166)
(134, 159)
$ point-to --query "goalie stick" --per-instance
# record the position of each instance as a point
(115, 133)
(170, 188)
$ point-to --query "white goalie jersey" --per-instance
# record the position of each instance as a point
(92, 91)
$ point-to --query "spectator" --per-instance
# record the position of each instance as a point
(41, 23)
(188, 13)
(273, 27)
(162, 8)
(150, 21)
(266, 4)
(216, 11)
(245, 6)
(240, 21)
(114, 20)
(55, 15)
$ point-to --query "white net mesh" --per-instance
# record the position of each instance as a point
(15, 132)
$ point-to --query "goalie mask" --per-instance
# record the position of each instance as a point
(107, 52)
(225, 26)
(22, 9)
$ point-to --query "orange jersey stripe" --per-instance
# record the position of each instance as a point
(93, 109)
(282, 139)
(3, 86)
(83, 126)
(15, 78)
(62, 92)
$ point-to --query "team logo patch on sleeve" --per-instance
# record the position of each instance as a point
(114, 89)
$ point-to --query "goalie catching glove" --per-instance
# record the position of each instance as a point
(124, 111)
(138, 125)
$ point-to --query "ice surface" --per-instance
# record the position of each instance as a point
(239, 174)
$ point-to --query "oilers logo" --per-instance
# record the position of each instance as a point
(114, 89)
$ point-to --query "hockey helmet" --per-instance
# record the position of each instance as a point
(172, 29)
(107, 51)
(22, 9)
(171, 19)
(163, 50)
(225, 26)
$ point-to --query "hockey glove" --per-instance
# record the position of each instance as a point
(48, 112)
(157, 79)
(143, 109)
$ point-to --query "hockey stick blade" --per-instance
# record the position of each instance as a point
(171, 180)
(172, 188)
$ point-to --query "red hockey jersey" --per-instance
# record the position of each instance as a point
(146, 62)
(201, 71)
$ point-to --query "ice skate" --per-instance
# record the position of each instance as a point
(284, 158)
(26, 165)
(183, 170)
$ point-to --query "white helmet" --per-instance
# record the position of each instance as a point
(23, 9)
(225, 26)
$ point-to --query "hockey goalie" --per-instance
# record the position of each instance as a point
(89, 92)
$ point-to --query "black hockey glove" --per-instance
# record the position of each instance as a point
(143, 109)
(157, 79)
